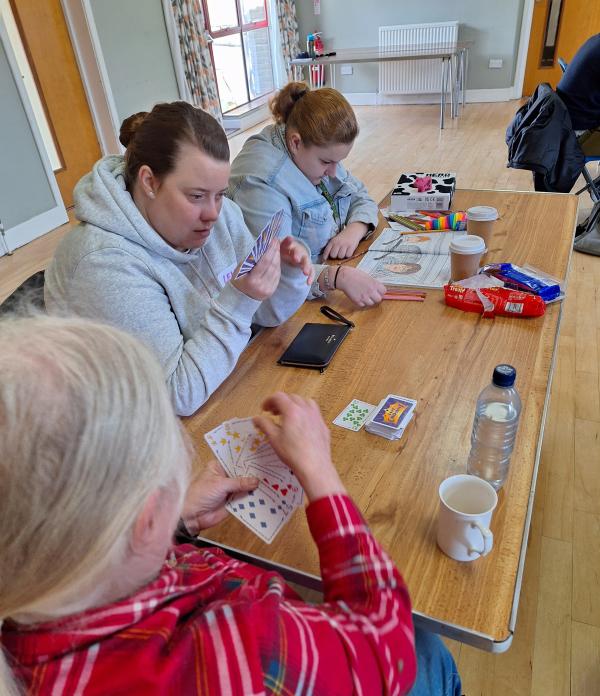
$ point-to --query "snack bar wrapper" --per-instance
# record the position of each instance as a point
(490, 302)
(524, 279)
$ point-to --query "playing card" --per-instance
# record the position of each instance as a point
(261, 511)
(280, 480)
(259, 459)
(238, 430)
(354, 415)
(393, 412)
(262, 243)
(220, 443)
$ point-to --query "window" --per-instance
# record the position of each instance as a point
(241, 50)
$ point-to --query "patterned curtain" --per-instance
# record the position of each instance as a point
(195, 54)
(288, 31)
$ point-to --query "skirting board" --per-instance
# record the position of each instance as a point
(472, 95)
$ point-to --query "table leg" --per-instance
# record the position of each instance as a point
(458, 83)
(465, 72)
(442, 94)
(460, 90)
(451, 86)
(332, 74)
(444, 88)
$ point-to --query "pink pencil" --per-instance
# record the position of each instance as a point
(405, 298)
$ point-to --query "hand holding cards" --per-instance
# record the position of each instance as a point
(271, 231)
(243, 450)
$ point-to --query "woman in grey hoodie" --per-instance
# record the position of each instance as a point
(158, 246)
(295, 165)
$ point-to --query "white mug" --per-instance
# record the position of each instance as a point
(466, 506)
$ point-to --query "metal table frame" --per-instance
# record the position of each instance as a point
(454, 61)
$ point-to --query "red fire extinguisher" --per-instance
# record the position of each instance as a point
(318, 44)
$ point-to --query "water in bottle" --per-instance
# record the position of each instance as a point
(495, 427)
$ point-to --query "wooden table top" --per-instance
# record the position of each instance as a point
(443, 358)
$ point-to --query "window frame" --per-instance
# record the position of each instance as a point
(240, 28)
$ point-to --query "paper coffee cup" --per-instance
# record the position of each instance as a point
(465, 254)
(480, 221)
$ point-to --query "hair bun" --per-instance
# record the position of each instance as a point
(130, 126)
(299, 90)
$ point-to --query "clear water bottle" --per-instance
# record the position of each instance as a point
(495, 427)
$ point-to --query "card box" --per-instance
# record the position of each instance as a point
(406, 196)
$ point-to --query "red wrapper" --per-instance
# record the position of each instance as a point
(494, 301)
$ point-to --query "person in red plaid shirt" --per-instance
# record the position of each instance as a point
(94, 597)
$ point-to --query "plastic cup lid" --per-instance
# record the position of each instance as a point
(467, 244)
(482, 213)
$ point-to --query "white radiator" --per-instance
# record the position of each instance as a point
(414, 76)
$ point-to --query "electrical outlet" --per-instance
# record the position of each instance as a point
(346, 70)
(495, 63)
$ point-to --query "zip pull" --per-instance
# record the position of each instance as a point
(336, 316)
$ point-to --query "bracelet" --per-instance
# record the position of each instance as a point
(325, 276)
(335, 277)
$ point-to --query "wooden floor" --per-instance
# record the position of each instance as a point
(556, 649)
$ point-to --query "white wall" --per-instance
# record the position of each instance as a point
(493, 25)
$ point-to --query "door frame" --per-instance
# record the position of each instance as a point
(43, 223)
(523, 48)
(90, 61)
(92, 66)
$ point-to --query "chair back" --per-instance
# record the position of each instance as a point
(31, 290)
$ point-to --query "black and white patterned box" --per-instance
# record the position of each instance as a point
(423, 191)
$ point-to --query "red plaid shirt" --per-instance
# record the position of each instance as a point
(212, 625)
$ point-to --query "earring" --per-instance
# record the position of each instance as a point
(151, 194)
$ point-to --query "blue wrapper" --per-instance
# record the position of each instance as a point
(514, 277)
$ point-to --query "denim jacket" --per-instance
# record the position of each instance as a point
(264, 179)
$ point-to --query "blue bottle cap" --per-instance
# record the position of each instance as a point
(504, 375)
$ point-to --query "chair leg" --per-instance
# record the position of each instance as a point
(587, 238)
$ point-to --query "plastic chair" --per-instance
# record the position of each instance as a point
(587, 236)
(31, 291)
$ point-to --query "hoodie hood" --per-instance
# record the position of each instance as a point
(101, 199)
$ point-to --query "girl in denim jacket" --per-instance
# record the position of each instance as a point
(295, 165)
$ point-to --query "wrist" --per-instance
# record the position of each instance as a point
(186, 527)
(326, 279)
(359, 230)
(322, 483)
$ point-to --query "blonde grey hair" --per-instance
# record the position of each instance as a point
(87, 434)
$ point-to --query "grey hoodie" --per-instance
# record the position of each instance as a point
(115, 267)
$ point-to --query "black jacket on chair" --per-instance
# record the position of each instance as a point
(540, 138)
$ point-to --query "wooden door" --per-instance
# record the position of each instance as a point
(46, 40)
(579, 19)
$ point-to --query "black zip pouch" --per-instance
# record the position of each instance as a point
(316, 344)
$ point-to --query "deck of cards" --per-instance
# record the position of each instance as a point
(243, 450)
(391, 416)
(261, 245)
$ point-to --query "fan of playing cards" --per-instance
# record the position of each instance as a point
(243, 450)
(262, 243)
